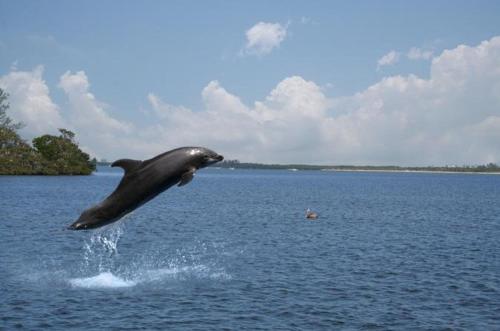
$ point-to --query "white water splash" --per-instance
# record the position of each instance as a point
(101, 247)
(103, 280)
(102, 267)
(109, 280)
(182, 272)
(106, 238)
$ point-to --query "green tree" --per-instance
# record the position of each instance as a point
(64, 154)
(5, 121)
(16, 156)
(52, 155)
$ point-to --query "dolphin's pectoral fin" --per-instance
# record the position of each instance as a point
(187, 177)
(127, 164)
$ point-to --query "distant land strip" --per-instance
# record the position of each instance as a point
(235, 164)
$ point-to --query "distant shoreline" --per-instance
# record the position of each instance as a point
(488, 168)
(420, 171)
(480, 169)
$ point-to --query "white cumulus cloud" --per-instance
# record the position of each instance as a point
(30, 102)
(97, 130)
(86, 111)
(267, 130)
(452, 117)
(443, 119)
(388, 59)
(263, 37)
(416, 53)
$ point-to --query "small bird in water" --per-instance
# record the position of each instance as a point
(311, 214)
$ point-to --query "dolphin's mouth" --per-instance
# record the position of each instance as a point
(213, 159)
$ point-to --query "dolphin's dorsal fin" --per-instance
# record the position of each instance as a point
(127, 164)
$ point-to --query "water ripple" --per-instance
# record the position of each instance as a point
(231, 250)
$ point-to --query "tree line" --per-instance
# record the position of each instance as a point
(48, 154)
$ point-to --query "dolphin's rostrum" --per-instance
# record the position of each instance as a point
(144, 180)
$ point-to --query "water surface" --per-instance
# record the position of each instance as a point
(232, 250)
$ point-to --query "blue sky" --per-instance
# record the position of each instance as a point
(174, 50)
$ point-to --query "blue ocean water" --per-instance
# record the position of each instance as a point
(233, 251)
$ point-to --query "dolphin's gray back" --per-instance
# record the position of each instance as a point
(143, 180)
(144, 183)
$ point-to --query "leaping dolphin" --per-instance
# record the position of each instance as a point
(144, 180)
